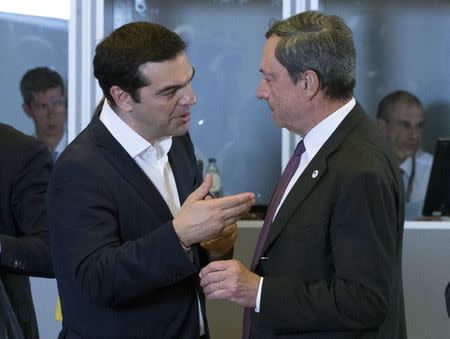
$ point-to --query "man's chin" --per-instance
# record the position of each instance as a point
(53, 132)
(403, 155)
(181, 130)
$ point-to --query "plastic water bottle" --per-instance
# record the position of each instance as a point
(213, 170)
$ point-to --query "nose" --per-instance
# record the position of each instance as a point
(262, 92)
(55, 108)
(51, 111)
(415, 132)
(188, 97)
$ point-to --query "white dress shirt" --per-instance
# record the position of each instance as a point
(424, 161)
(59, 147)
(313, 141)
(153, 160)
(61, 144)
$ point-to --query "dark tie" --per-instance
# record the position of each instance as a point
(276, 198)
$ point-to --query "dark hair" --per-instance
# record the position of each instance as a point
(386, 105)
(319, 42)
(39, 79)
(119, 56)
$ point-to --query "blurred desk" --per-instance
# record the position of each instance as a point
(426, 272)
(427, 219)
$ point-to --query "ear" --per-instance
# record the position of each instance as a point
(122, 99)
(27, 110)
(312, 84)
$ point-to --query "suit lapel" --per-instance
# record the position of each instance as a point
(119, 158)
(180, 169)
(182, 172)
(307, 181)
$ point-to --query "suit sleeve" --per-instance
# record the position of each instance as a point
(27, 251)
(364, 249)
(85, 226)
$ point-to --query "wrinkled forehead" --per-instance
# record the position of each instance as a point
(46, 95)
(270, 66)
(407, 111)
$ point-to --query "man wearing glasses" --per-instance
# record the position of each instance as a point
(401, 117)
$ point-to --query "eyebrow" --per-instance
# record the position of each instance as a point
(175, 87)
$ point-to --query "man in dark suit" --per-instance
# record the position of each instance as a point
(129, 225)
(328, 259)
(25, 166)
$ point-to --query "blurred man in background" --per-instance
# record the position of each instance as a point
(44, 101)
(401, 117)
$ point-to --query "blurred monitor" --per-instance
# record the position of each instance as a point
(437, 198)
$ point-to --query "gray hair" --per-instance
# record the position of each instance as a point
(319, 42)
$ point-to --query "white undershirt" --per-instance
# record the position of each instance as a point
(151, 158)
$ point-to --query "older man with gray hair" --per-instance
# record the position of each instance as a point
(328, 259)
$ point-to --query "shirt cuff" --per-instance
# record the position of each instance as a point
(186, 249)
(258, 296)
(212, 256)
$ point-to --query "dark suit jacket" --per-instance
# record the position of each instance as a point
(335, 247)
(25, 166)
(121, 270)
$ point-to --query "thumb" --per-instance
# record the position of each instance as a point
(201, 191)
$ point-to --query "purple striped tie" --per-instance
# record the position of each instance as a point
(276, 198)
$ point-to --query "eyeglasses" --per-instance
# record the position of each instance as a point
(406, 125)
(57, 104)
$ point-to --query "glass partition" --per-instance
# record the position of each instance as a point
(402, 45)
(27, 42)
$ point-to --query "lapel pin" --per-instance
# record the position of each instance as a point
(315, 174)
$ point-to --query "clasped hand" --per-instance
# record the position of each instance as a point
(230, 280)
